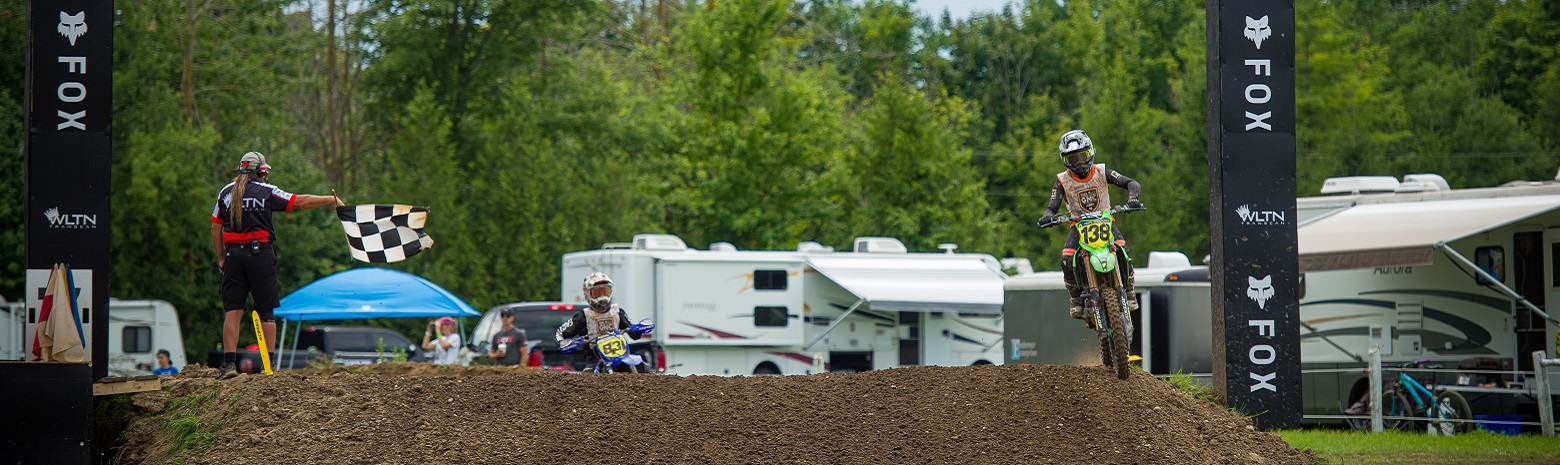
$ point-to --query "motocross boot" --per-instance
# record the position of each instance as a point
(1075, 302)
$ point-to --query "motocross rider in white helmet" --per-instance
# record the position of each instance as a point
(602, 316)
(1085, 188)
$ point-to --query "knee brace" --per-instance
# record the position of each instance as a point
(267, 315)
(1067, 269)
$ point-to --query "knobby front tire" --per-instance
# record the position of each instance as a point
(1117, 333)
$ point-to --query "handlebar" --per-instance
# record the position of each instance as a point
(1068, 219)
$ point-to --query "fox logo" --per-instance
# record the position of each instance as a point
(73, 26)
(1257, 30)
(1260, 290)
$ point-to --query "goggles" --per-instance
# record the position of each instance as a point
(598, 292)
(1077, 158)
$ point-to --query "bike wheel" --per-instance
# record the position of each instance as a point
(1459, 411)
(1102, 334)
(1397, 405)
(1117, 334)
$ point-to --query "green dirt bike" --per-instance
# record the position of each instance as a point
(1104, 285)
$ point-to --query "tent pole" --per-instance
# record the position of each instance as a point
(292, 355)
(279, 344)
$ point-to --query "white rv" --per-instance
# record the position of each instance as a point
(1406, 266)
(1385, 263)
(137, 329)
(728, 312)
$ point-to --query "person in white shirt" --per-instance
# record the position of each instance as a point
(446, 347)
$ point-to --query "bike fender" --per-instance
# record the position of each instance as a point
(1103, 262)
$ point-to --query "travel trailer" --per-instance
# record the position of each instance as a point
(137, 329)
(1457, 277)
(725, 311)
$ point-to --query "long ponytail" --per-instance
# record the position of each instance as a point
(236, 201)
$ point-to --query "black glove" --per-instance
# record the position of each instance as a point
(1134, 204)
(1045, 220)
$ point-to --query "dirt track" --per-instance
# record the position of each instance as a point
(407, 413)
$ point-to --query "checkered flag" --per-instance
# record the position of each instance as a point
(384, 233)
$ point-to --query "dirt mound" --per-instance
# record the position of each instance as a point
(406, 413)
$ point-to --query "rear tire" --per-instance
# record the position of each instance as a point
(1117, 333)
(1460, 411)
(766, 368)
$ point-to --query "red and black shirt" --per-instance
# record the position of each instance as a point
(260, 199)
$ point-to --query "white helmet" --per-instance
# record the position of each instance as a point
(598, 291)
(1077, 152)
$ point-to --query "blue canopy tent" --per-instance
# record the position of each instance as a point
(369, 292)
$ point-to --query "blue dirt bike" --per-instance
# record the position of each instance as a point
(611, 349)
(1104, 283)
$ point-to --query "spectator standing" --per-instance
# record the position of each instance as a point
(445, 347)
(164, 364)
(509, 344)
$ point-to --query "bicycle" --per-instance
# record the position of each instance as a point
(1408, 405)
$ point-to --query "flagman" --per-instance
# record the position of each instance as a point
(242, 231)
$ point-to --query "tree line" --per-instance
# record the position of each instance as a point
(532, 128)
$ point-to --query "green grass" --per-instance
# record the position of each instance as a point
(1348, 447)
(189, 432)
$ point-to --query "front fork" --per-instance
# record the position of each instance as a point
(1091, 295)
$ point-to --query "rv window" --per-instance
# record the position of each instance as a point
(137, 339)
(769, 316)
(769, 280)
(1493, 261)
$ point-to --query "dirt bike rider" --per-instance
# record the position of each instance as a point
(1085, 187)
(601, 316)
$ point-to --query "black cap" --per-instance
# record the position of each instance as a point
(505, 312)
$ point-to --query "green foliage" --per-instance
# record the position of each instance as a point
(532, 128)
(13, 43)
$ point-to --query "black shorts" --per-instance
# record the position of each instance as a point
(246, 274)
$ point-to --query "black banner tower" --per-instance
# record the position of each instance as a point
(1251, 176)
(69, 97)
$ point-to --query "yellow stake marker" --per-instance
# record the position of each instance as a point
(265, 355)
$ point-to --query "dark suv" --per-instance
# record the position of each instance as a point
(540, 320)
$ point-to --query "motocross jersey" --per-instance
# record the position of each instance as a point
(588, 322)
(1090, 194)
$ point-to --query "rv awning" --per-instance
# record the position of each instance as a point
(1405, 234)
(966, 284)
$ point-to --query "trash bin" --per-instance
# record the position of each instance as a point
(1500, 428)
